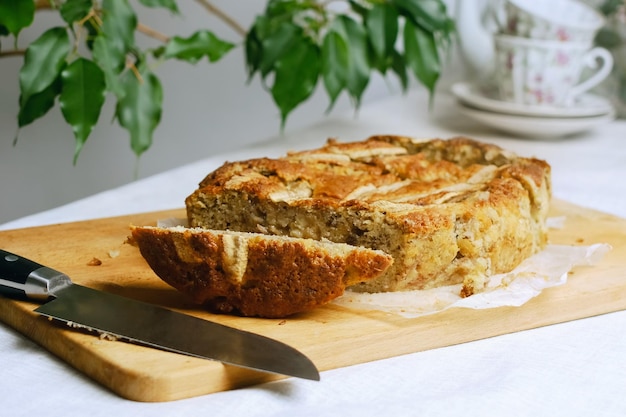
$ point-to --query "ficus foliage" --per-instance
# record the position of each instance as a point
(293, 46)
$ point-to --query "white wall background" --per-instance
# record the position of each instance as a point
(207, 109)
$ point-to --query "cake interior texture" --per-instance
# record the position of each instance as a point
(448, 211)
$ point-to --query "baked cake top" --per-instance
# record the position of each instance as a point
(391, 173)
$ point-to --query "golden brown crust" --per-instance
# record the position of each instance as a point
(255, 275)
(448, 211)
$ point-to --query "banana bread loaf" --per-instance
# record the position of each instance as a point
(447, 211)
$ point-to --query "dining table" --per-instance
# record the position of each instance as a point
(572, 368)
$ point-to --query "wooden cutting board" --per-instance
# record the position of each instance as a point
(331, 336)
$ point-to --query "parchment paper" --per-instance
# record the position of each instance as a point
(546, 269)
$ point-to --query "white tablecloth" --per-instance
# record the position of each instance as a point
(576, 368)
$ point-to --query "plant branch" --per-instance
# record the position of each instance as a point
(223, 16)
(45, 4)
(148, 31)
(14, 52)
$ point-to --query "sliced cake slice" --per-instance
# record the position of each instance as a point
(254, 274)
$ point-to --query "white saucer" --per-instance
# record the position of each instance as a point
(536, 127)
(485, 98)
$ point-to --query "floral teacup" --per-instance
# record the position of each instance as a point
(538, 72)
(558, 20)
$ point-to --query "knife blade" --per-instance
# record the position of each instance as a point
(144, 323)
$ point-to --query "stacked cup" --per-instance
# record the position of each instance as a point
(543, 48)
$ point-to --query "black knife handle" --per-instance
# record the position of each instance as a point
(22, 278)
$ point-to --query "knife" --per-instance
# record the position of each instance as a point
(145, 323)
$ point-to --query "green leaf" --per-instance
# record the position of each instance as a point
(82, 97)
(296, 75)
(335, 65)
(359, 67)
(200, 44)
(278, 44)
(139, 111)
(382, 29)
(359, 8)
(263, 26)
(398, 65)
(115, 40)
(3, 30)
(118, 25)
(608, 38)
(431, 15)
(158, 52)
(75, 10)
(15, 15)
(112, 61)
(37, 105)
(267, 40)
(254, 52)
(608, 7)
(44, 59)
(422, 55)
(286, 9)
(167, 4)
